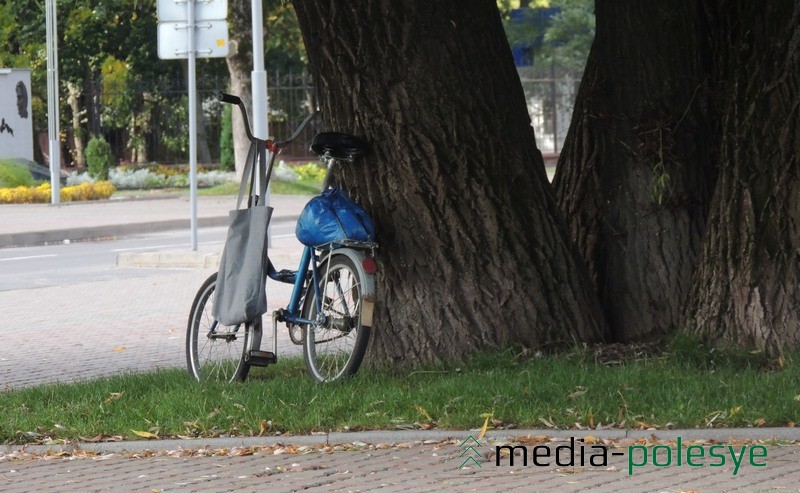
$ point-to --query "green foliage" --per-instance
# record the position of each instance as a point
(14, 175)
(227, 161)
(175, 125)
(570, 35)
(116, 99)
(284, 45)
(565, 41)
(310, 172)
(99, 158)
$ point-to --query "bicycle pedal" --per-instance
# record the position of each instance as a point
(260, 358)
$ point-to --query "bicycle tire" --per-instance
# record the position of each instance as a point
(220, 355)
(335, 351)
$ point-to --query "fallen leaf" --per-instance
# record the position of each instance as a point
(144, 434)
(547, 423)
(483, 429)
(424, 413)
(113, 396)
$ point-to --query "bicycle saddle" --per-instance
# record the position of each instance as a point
(339, 145)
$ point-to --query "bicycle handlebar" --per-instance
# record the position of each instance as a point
(296, 132)
(231, 99)
(272, 146)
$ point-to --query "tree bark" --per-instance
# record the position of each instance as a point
(240, 66)
(474, 252)
(74, 102)
(747, 288)
(636, 172)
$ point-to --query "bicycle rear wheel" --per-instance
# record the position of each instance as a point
(215, 352)
(334, 349)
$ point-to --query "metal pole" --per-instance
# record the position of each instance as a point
(52, 101)
(192, 55)
(259, 75)
(259, 83)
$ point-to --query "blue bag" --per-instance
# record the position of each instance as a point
(332, 217)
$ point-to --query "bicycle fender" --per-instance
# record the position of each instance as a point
(368, 285)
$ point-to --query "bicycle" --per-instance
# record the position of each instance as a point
(331, 306)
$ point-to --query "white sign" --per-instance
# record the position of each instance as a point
(175, 11)
(211, 39)
(16, 119)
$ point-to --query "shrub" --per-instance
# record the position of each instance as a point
(310, 172)
(14, 175)
(99, 158)
(226, 157)
(75, 178)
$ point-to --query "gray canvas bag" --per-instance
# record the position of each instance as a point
(241, 282)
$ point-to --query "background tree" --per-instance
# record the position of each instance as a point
(284, 51)
(474, 252)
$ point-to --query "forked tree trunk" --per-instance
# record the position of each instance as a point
(636, 172)
(474, 252)
(747, 288)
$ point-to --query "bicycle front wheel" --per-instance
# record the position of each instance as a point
(334, 349)
(215, 351)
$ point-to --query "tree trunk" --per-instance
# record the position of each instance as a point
(240, 66)
(474, 252)
(747, 288)
(636, 172)
(74, 102)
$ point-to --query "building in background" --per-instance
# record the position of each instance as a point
(16, 120)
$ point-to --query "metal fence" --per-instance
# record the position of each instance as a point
(550, 96)
(156, 128)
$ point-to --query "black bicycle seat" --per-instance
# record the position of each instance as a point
(339, 145)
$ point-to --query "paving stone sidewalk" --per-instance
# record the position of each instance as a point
(432, 465)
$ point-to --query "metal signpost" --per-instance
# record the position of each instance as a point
(52, 101)
(189, 29)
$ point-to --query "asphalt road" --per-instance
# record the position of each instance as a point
(91, 261)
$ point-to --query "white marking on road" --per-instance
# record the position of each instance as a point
(152, 247)
(156, 247)
(26, 258)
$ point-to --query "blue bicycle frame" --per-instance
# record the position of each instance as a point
(292, 312)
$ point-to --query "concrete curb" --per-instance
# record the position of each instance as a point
(33, 238)
(409, 436)
(175, 259)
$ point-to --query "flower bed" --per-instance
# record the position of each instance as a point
(41, 194)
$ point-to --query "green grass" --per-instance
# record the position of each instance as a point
(276, 186)
(566, 391)
(300, 187)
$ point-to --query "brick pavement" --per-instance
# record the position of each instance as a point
(404, 467)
